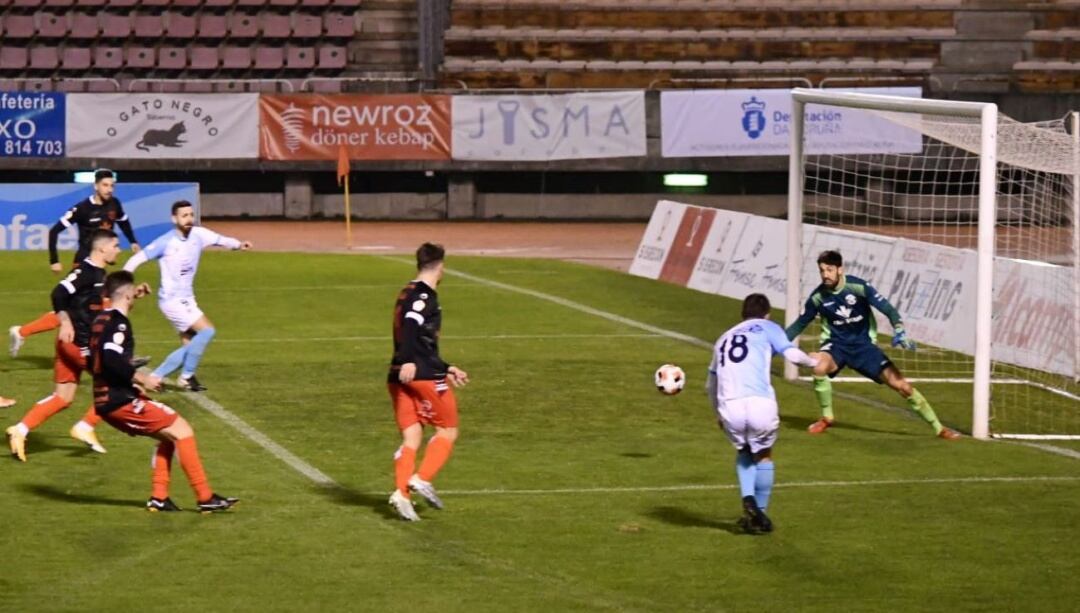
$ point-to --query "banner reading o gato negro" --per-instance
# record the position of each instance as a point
(162, 125)
(371, 127)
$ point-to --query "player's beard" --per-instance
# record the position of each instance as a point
(186, 230)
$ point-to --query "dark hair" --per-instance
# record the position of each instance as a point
(117, 280)
(99, 235)
(103, 173)
(179, 204)
(830, 258)
(755, 306)
(428, 255)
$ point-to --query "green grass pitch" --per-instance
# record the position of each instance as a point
(574, 486)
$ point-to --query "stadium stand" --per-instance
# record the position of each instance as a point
(45, 43)
(560, 44)
(1053, 63)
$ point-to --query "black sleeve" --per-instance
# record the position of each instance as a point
(410, 340)
(54, 235)
(125, 224)
(64, 292)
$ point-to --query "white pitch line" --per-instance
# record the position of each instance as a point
(577, 306)
(260, 439)
(305, 339)
(733, 486)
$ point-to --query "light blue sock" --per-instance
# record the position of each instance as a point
(195, 351)
(171, 363)
(763, 482)
(746, 470)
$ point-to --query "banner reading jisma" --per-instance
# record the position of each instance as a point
(544, 127)
(749, 122)
(163, 125)
(370, 127)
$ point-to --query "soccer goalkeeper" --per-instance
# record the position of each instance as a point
(848, 331)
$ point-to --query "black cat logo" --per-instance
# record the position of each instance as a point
(163, 138)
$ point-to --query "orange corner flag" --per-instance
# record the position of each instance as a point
(342, 164)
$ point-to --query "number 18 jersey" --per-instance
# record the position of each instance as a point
(741, 359)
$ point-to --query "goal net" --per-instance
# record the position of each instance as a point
(965, 220)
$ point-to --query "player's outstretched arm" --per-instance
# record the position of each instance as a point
(879, 302)
(808, 314)
(54, 237)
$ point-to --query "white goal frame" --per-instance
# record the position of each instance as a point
(987, 113)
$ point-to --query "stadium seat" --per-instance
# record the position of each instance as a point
(140, 57)
(299, 58)
(186, 5)
(156, 3)
(115, 26)
(84, 27)
(149, 27)
(325, 86)
(109, 58)
(332, 58)
(269, 58)
(218, 4)
(203, 58)
(284, 3)
(212, 27)
(179, 26)
(59, 2)
(75, 59)
(315, 3)
(275, 26)
(243, 26)
(101, 87)
(44, 58)
(13, 58)
(306, 26)
(50, 25)
(172, 58)
(236, 58)
(26, 3)
(198, 87)
(18, 26)
(250, 3)
(90, 3)
(337, 25)
(115, 4)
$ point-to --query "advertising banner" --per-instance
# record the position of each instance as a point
(31, 124)
(549, 127)
(28, 210)
(163, 125)
(658, 238)
(370, 127)
(1034, 316)
(749, 122)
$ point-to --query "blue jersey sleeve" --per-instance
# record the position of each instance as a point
(884, 306)
(777, 337)
(156, 249)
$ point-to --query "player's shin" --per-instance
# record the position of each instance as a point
(48, 321)
(43, 410)
(919, 404)
(435, 457)
(161, 465)
(763, 482)
(746, 470)
(195, 350)
(193, 468)
(171, 363)
(404, 464)
(823, 392)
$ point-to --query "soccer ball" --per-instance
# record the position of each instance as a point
(670, 379)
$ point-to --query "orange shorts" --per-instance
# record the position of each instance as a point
(69, 362)
(424, 402)
(141, 417)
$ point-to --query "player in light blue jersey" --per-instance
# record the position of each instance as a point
(740, 388)
(179, 251)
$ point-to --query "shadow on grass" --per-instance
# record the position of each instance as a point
(51, 493)
(688, 519)
(351, 498)
(637, 455)
(31, 362)
(802, 423)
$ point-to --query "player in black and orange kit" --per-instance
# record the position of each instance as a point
(76, 300)
(100, 211)
(418, 385)
(125, 407)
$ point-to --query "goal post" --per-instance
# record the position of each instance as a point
(1004, 230)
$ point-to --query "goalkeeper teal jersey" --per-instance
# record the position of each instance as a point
(845, 312)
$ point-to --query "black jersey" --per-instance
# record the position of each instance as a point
(87, 217)
(417, 320)
(80, 295)
(112, 345)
